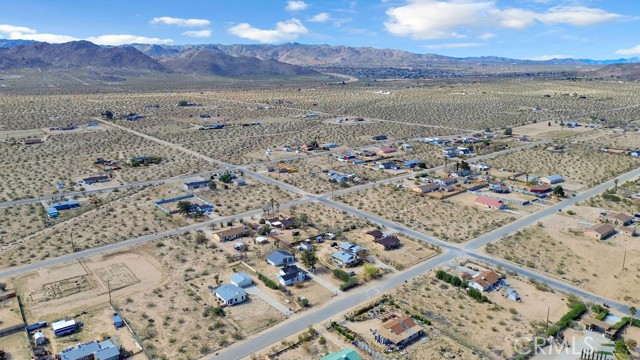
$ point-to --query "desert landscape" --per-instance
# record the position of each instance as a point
(278, 200)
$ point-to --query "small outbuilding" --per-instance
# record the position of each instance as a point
(552, 179)
(117, 321)
(241, 279)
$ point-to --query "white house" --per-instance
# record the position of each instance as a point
(291, 274)
(229, 294)
(485, 280)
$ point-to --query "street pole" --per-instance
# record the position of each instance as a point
(548, 310)
(109, 289)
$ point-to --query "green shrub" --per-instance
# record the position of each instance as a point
(268, 282)
(341, 274)
(352, 282)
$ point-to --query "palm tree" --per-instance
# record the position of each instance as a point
(615, 189)
(632, 312)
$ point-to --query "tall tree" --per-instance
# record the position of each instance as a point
(632, 312)
(558, 191)
(184, 207)
(309, 258)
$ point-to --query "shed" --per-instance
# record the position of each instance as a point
(346, 354)
(241, 279)
(552, 179)
(38, 338)
(261, 240)
(52, 212)
(117, 321)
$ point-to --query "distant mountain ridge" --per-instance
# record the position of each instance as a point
(290, 59)
(625, 71)
(81, 54)
(328, 55)
(76, 54)
(213, 63)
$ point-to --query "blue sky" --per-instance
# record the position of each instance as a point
(525, 29)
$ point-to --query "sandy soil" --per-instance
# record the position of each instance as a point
(451, 220)
(558, 247)
(483, 327)
(81, 285)
(580, 163)
(15, 346)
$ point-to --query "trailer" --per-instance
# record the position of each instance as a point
(64, 327)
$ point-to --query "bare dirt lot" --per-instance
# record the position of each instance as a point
(558, 246)
(313, 174)
(448, 219)
(581, 163)
(34, 170)
(479, 327)
(16, 346)
(82, 285)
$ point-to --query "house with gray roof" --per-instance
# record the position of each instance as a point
(345, 259)
(105, 350)
(280, 257)
(229, 294)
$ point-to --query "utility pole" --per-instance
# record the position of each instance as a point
(624, 260)
(548, 310)
(109, 289)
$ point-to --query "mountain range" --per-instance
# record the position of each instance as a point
(289, 59)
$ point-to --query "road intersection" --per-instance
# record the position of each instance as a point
(345, 301)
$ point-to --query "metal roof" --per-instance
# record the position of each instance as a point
(229, 291)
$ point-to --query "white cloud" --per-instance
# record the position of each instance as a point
(443, 19)
(126, 39)
(167, 20)
(198, 33)
(48, 38)
(635, 51)
(453, 45)
(487, 36)
(322, 17)
(13, 32)
(24, 33)
(512, 18)
(296, 5)
(430, 19)
(578, 16)
(8, 29)
(550, 57)
(285, 31)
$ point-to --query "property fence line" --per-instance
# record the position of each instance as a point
(136, 339)
(503, 199)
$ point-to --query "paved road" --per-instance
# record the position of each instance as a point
(13, 271)
(315, 316)
(452, 251)
(538, 215)
(73, 194)
(437, 168)
(353, 298)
